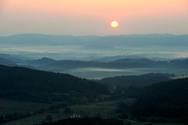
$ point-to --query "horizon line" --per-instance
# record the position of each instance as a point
(69, 35)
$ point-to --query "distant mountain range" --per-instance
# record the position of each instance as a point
(97, 41)
(120, 63)
(4, 61)
(97, 48)
(10, 59)
(175, 66)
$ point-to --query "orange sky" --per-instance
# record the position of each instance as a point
(98, 12)
(106, 8)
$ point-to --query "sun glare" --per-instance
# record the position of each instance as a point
(114, 24)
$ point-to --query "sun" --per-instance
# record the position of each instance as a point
(114, 24)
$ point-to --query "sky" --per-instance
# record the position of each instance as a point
(93, 17)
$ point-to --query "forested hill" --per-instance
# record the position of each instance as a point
(139, 81)
(34, 85)
(166, 99)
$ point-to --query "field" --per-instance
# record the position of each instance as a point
(101, 109)
(105, 109)
(10, 106)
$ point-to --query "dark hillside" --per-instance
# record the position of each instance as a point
(28, 84)
(164, 100)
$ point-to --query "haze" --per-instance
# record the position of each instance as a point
(83, 17)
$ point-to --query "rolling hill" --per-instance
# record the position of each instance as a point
(34, 85)
(4, 61)
(139, 81)
(52, 64)
(164, 100)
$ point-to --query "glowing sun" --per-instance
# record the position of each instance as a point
(114, 24)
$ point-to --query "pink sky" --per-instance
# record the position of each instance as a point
(92, 17)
